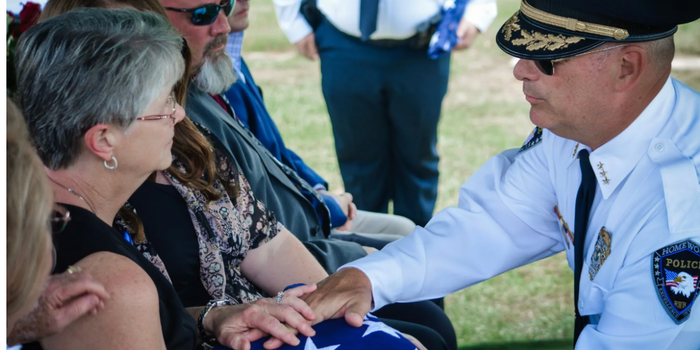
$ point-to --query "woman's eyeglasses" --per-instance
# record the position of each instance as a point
(207, 14)
(172, 105)
(547, 66)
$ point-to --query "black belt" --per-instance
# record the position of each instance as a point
(420, 40)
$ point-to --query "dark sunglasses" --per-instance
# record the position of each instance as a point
(207, 14)
(547, 66)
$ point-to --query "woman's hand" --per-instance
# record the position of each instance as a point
(66, 298)
(236, 326)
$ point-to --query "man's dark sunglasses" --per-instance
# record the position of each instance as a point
(547, 66)
(207, 14)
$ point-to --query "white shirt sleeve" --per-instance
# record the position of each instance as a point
(481, 13)
(291, 21)
(505, 219)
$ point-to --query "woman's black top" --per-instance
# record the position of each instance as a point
(175, 239)
(87, 234)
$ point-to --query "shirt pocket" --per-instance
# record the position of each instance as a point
(592, 292)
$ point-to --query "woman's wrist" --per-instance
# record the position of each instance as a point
(205, 323)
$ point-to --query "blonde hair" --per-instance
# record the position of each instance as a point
(29, 205)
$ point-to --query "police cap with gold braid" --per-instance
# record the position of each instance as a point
(551, 29)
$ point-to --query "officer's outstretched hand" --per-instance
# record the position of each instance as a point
(347, 292)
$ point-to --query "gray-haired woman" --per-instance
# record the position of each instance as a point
(96, 88)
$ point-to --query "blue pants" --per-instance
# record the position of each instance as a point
(384, 104)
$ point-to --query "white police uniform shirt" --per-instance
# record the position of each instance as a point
(648, 197)
(397, 19)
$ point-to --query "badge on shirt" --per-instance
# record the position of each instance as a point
(568, 237)
(600, 253)
(532, 140)
(675, 270)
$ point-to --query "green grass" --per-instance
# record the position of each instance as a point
(687, 38)
(483, 114)
(557, 344)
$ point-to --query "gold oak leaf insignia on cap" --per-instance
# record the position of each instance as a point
(539, 41)
(511, 26)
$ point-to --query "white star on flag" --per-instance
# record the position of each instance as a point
(449, 4)
(309, 345)
(379, 327)
(435, 38)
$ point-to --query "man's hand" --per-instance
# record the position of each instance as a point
(307, 47)
(349, 208)
(467, 33)
(347, 292)
(236, 326)
(66, 298)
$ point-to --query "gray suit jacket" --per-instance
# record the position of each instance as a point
(268, 181)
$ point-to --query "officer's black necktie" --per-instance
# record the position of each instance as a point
(369, 9)
(584, 202)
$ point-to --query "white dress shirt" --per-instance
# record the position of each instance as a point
(397, 19)
(648, 197)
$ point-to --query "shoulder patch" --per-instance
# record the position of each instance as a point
(675, 271)
(532, 140)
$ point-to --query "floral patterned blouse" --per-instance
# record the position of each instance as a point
(226, 230)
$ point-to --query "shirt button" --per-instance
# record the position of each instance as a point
(580, 305)
(659, 147)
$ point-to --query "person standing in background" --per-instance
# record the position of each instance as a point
(246, 99)
(383, 92)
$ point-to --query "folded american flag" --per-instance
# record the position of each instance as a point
(445, 37)
(338, 335)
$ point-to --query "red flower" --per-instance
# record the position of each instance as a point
(30, 13)
(27, 17)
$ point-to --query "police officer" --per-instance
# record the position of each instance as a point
(383, 92)
(610, 175)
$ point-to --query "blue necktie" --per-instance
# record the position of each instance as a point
(584, 202)
(369, 9)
